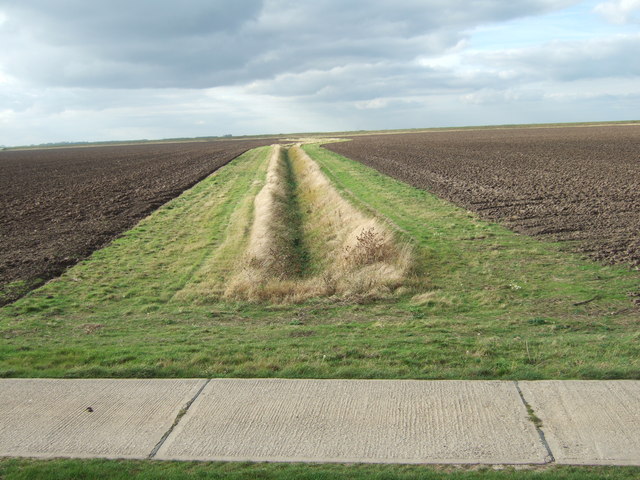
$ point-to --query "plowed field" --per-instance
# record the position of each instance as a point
(59, 205)
(569, 183)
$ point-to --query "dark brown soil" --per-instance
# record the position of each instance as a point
(59, 205)
(566, 183)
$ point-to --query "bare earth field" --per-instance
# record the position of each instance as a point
(567, 184)
(59, 205)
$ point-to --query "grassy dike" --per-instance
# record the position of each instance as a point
(490, 304)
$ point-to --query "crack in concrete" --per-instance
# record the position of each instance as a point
(537, 423)
(183, 411)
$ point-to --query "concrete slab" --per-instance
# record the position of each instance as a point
(88, 418)
(588, 422)
(357, 421)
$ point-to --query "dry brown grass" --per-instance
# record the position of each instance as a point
(350, 254)
(269, 259)
(356, 254)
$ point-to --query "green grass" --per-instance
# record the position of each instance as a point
(14, 290)
(18, 469)
(496, 305)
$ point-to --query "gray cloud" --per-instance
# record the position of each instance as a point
(200, 44)
(78, 70)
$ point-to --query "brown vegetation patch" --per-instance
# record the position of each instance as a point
(90, 328)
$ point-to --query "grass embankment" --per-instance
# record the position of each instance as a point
(305, 240)
(18, 469)
(496, 304)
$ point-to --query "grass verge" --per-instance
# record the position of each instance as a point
(18, 469)
(497, 305)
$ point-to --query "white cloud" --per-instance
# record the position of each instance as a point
(6, 116)
(4, 78)
(488, 96)
(373, 104)
(620, 11)
(609, 57)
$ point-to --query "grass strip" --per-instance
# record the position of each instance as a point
(19, 469)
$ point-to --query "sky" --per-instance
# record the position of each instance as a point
(77, 70)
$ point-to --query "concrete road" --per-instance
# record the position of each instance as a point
(89, 418)
(588, 422)
(381, 421)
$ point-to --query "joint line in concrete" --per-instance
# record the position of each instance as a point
(183, 411)
(534, 419)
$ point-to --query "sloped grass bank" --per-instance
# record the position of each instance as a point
(496, 304)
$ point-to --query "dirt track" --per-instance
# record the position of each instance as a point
(567, 183)
(59, 205)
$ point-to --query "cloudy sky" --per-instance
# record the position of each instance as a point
(78, 70)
